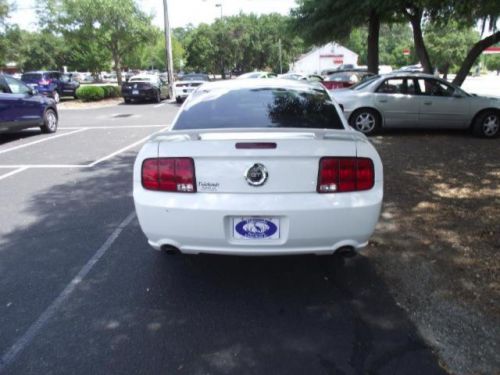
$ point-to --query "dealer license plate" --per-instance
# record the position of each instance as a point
(135, 92)
(256, 228)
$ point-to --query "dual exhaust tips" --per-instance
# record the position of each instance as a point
(344, 251)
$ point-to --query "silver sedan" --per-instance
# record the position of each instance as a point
(415, 100)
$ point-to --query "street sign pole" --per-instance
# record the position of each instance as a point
(168, 49)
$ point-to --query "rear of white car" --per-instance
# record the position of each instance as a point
(256, 190)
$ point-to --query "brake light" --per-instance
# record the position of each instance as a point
(343, 174)
(44, 82)
(169, 174)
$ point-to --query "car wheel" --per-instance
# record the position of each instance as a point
(158, 97)
(127, 100)
(56, 96)
(487, 125)
(365, 120)
(49, 121)
(178, 100)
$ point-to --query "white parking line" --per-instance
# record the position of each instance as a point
(40, 166)
(119, 127)
(124, 148)
(11, 354)
(42, 140)
(159, 105)
(18, 170)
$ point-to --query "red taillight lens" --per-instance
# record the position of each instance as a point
(169, 174)
(345, 174)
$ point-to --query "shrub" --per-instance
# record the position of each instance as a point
(90, 93)
(111, 91)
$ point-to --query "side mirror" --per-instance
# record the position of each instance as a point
(33, 92)
(457, 94)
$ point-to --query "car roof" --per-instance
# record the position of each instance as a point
(144, 76)
(42, 72)
(260, 84)
(407, 74)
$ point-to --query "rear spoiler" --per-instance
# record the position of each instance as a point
(256, 134)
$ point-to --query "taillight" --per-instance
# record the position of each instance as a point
(44, 82)
(169, 174)
(344, 174)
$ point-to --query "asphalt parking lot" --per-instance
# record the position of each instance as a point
(81, 292)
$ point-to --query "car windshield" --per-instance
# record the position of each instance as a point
(259, 108)
(195, 77)
(342, 77)
(31, 77)
(365, 82)
(251, 75)
(141, 79)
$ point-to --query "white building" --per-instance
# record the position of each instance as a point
(329, 56)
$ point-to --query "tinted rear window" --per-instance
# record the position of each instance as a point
(31, 77)
(259, 108)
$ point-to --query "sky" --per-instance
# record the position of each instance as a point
(181, 12)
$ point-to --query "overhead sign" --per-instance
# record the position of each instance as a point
(406, 52)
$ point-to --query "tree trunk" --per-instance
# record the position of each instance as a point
(415, 17)
(372, 41)
(117, 61)
(473, 54)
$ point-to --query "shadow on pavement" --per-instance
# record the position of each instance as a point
(143, 312)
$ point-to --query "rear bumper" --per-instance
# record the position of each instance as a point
(309, 222)
(143, 95)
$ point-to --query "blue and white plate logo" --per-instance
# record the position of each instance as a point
(256, 229)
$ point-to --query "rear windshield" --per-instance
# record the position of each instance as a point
(31, 77)
(195, 77)
(259, 108)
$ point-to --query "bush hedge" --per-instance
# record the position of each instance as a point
(91, 93)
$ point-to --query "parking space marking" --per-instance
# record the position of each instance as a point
(40, 166)
(118, 127)
(124, 148)
(22, 167)
(11, 354)
(42, 140)
(159, 105)
(18, 170)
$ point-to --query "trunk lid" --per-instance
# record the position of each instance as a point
(292, 165)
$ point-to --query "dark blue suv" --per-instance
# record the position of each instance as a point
(51, 83)
(21, 107)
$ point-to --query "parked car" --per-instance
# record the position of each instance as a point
(301, 77)
(257, 75)
(187, 84)
(345, 78)
(145, 87)
(417, 100)
(258, 167)
(22, 107)
(411, 68)
(51, 83)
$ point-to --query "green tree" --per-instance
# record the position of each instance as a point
(493, 62)
(394, 38)
(447, 50)
(4, 12)
(117, 26)
(321, 21)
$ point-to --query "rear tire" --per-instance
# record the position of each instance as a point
(178, 100)
(158, 97)
(487, 125)
(50, 121)
(127, 100)
(366, 121)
